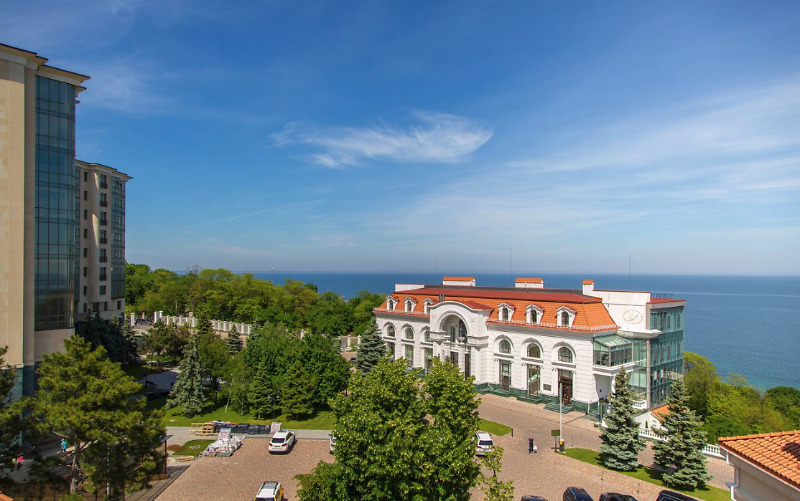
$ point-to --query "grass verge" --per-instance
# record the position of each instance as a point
(647, 474)
(493, 428)
(192, 448)
(319, 420)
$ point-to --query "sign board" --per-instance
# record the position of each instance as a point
(555, 433)
(275, 428)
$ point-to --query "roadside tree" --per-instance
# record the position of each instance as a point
(621, 441)
(298, 392)
(233, 341)
(493, 488)
(188, 389)
(371, 349)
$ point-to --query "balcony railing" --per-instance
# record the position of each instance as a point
(103, 259)
(104, 222)
(103, 240)
(547, 325)
(401, 312)
(103, 277)
(103, 185)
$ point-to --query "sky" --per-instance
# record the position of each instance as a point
(461, 137)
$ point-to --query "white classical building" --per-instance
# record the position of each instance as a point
(537, 343)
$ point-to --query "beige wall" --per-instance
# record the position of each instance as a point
(753, 484)
(12, 213)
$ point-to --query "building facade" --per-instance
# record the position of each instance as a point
(765, 466)
(41, 206)
(540, 343)
(102, 241)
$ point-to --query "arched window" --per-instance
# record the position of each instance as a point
(426, 335)
(409, 333)
(505, 347)
(462, 331)
(427, 305)
(534, 316)
(565, 355)
(409, 305)
(504, 314)
(565, 319)
(390, 304)
(390, 331)
(534, 351)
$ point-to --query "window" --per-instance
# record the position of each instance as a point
(454, 358)
(426, 306)
(565, 355)
(119, 305)
(103, 181)
(390, 304)
(103, 200)
(409, 333)
(409, 304)
(426, 335)
(452, 333)
(85, 214)
(85, 233)
(390, 350)
(504, 314)
(103, 291)
(85, 176)
(103, 275)
(564, 319)
(410, 356)
(85, 271)
(462, 331)
(85, 290)
(534, 314)
(505, 347)
(85, 252)
(105, 306)
(534, 351)
(85, 195)
(103, 255)
(390, 331)
(103, 236)
(103, 218)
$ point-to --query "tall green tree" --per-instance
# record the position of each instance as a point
(680, 452)
(214, 358)
(786, 400)
(453, 406)
(701, 379)
(298, 392)
(493, 488)
(371, 349)
(233, 341)
(329, 371)
(89, 400)
(188, 389)
(237, 376)
(263, 396)
(11, 421)
(621, 441)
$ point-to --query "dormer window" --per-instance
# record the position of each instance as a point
(504, 312)
(565, 316)
(391, 303)
(409, 304)
(533, 314)
(426, 305)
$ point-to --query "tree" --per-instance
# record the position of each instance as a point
(701, 380)
(452, 404)
(681, 450)
(188, 390)
(11, 421)
(298, 392)
(90, 401)
(214, 358)
(786, 400)
(494, 489)
(263, 396)
(237, 376)
(233, 341)
(370, 350)
(621, 440)
(329, 371)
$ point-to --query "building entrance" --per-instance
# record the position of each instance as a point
(565, 383)
(505, 374)
(534, 377)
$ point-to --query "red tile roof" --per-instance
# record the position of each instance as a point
(660, 412)
(506, 294)
(777, 453)
(658, 300)
(528, 280)
(458, 279)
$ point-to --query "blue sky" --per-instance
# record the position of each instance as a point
(422, 136)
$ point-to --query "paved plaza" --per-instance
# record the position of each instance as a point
(545, 473)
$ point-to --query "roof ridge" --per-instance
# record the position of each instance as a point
(760, 435)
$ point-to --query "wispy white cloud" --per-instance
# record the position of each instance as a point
(129, 86)
(432, 138)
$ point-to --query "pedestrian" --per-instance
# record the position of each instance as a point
(63, 445)
(530, 445)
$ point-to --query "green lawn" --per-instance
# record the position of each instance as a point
(320, 420)
(647, 474)
(493, 428)
(192, 448)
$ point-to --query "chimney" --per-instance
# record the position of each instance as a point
(588, 287)
(529, 283)
(459, 281)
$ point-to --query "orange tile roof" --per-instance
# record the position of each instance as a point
(778, 453)
(657, 300)
(660, 412)
(588, 282)
(458, 279)
(528, 280)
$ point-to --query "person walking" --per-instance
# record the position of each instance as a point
(530, 445)
(63, 445)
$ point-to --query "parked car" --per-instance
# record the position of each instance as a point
(332, 444)
(483, 443)
(576, 494)
(616, 496)
(533, 498)
(673, 496)
(270, 491)
(282, 441)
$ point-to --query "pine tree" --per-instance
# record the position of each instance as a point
(621, 440)
(370, 350)
(263, 396)
(188, 390)
(298, 392)
(681, 450)
(233, 341)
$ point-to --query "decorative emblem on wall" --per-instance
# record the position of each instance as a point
(632, 316)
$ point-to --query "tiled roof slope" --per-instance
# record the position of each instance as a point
(590, 311)
(778, 453)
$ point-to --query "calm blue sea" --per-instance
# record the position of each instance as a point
(745, 325)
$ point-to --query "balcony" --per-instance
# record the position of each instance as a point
(103, 278)
(104, 185)
(104, 222)
(103, 203)
(103, 259)
(103, 240)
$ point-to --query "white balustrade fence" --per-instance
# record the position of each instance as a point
(191, 322)
(708, 449)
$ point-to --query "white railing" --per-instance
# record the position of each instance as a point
(191, 322)
(402, 312)
(547, 325)
(708, 449)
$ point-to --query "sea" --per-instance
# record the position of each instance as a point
(746, 325)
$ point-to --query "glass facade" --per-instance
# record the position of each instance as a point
(57, 206)
(666, 352)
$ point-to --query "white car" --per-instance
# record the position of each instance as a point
(332, 445)
(270, 491)
(282, 441)
(483, 443)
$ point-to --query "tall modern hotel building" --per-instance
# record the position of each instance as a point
(52, 218)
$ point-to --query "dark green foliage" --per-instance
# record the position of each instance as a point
(787, 401)
(371, 349)
(11, 421)
(385, 450)
(298, 392)
(188, 389)
(329, 371)
(494, 489)
(88, 399)
(233, 341)
(113, 336)
(166, 343)
(264, 396)
(621, 440)
(214, 357)
(681, 451)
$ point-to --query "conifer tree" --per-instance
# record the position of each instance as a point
(263, 396)
(621, 440)
(298, 392)
(188, 390)
(370, 350)
(233, 341)
(681, 450)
